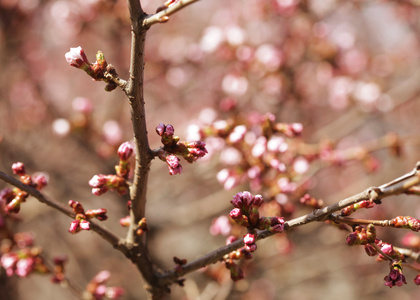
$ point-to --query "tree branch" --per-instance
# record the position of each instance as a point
(394, 187)
(160, 16)
(111, 238)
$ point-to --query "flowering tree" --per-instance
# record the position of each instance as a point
(266, 140)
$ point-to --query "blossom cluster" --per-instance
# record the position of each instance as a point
(82, 217)
(384, 252)
(98, 290)
(23, 261)
(117, 182)
(172, 146)
(12, 198)
(246, 214)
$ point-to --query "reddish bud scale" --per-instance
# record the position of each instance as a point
(352, 208)
(272, 224)
(239, 218)
(406, 222)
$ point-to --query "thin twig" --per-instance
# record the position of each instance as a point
(160, 16)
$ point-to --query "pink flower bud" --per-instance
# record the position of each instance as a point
(74, 226)
(76, 57)
(125, 222)
(8, 262)
(173, 164)
(101, 277)
(76, 206)
(417, 280)
(249, 238)
(169, 130)
(125, 151)
(84, 224)
(160, 129)
(98, 181)
(40, 181)
(24, 266)
(18, 168)
(99, 213)
(114, 292)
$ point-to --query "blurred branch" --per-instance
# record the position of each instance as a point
(394, 187)
(163, 16)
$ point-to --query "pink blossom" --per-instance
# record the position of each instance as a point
(18, 168)
(8, 262)
(220, 225)
(98, 181)
(76, 57)
(74, 226)
(24, 266)
(84, 224)
(237, 134)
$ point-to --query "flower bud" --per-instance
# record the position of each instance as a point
(125, 151)
(76, 57)
(18, 168)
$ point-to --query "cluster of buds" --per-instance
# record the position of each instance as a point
(258, 150)
(77, 58)
(58, 269)
(82, 217)
(406, 222)
(142, 227)
(395, 276)
(362, 236)
(246, 213)
(308, 200)
(236, 272)
(23, 262)
(352, 208)
(11, 199)
(117, 182)
(172, 146)
(96, 288)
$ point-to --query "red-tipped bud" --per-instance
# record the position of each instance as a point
(76, 57)
(18, 168)
(125, 222)
(74, 226)
(125, 151)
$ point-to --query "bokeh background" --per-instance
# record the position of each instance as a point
(347, 70)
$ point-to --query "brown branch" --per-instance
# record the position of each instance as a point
(394, 187)
(111, 238)
(353, 221)
(162, 15)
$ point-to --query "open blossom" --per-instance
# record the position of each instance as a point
(76, 57)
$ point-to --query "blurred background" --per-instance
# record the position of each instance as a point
(347, 70)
